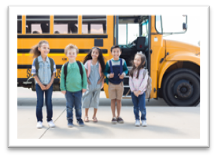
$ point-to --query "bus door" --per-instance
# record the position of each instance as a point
(132, 35)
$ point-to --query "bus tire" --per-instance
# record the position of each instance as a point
(181, 87)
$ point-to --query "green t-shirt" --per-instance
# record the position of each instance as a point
(73, 78)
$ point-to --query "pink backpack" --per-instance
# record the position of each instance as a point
(89, 68)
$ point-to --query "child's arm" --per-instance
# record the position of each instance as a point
(101, 78)
(84, 86)
(131, 84)
(144, 83)
(52, 77)
(107, 70)
(36, 77)
(62, 81)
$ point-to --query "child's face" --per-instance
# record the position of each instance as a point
(116, 53)
(95, 54)
(44, 49)
(137, 61)
(71, 53)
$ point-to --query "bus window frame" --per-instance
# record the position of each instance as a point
(37, 19)
(102, 26)
(65, 19)
(19, 18)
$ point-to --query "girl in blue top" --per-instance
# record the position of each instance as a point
(41, 70)
(94, 65)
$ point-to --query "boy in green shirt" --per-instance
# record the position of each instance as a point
(73, 83)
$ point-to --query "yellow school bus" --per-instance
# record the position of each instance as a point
(173, 66)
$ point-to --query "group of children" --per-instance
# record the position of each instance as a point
(81, 84)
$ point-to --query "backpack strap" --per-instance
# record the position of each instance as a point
(51, 65)
(65, 70)
(81, 70)
(36, 65)
(111, 69)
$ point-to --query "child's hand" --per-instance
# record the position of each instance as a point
(83, 90)
(42, 87)
(47, 87)
(111, 75)
(121, 76)
(64, 92)
(88, 81)
(137, 93)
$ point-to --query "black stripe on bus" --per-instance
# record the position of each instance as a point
(20, 80)
(37, 17)
(19, 17)
(62, 36)
(30, 66)
(60, 50)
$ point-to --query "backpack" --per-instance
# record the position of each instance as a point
(80, 69)
(149, 85)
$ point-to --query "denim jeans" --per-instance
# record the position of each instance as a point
(139, 105)
(40, 102)
(73, 99)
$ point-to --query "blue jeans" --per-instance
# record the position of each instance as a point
(40, 102)
(139, 104)
(73, 99)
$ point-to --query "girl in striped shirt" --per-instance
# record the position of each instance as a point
(138, 84)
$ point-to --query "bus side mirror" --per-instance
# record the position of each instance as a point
(184, 26)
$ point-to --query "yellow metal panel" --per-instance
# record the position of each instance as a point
(51, 24)
(80, 24)
(164, 67)
(23, 24)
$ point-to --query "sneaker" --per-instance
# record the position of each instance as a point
(51, 124)
(70, 124)
(120, 120)
(137, 123)
(144, 123)
(80, 122)
(39, 124)
(114, 120)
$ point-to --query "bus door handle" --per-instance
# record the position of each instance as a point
(64, 58)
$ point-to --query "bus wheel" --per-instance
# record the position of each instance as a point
(181, 87)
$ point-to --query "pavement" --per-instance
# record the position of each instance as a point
(164, 122)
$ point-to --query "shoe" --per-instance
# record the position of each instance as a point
(80, 122)
(39, 124)
(51, 124)
(114, 120)
(144, 123)
(137, 123)
(70, 124)
(86, 119)
(95, 120)
(120, 120)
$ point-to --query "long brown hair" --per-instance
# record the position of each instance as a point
(141, 66)
(35, 50)
(100, 57)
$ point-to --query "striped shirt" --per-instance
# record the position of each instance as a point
(139, 84)
(44, 71)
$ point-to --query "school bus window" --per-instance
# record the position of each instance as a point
(94, 24)
(37, 24)
(158, 21)
(19, 24)
(65, 24)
